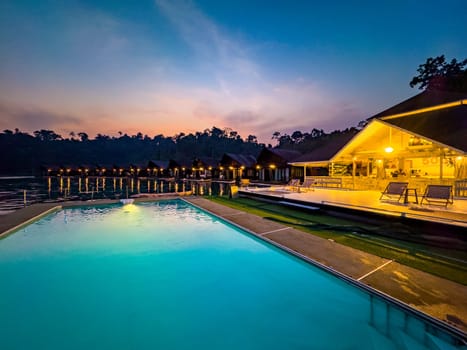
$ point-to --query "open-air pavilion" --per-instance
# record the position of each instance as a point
(425, 145)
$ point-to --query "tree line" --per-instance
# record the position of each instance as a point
(26, 153)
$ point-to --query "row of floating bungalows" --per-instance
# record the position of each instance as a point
(229, 167)
(270, 165)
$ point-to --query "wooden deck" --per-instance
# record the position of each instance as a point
(369, 201)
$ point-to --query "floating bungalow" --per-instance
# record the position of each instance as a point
(235, 166)
(274, 165)
(163, 168)
(205, 168)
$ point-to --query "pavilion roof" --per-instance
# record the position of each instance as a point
(446, 126)
(425, 99)
(325, 152)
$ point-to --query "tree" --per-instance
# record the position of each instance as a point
(47, 135)
(437, 74)
(83, 136)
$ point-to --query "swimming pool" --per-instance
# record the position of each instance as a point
(166, 275)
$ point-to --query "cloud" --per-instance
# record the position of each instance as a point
(32, 119)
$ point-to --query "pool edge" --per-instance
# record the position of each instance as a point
(30, 221)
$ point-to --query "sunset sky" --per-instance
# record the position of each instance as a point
(171, 66)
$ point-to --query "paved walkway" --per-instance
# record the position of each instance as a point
(433, 295)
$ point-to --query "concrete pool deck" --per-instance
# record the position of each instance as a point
(435, 296)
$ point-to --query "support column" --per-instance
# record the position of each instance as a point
(441, 157)
(354, 170)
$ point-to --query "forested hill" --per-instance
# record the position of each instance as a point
(23, 153)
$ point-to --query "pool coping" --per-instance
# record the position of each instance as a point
(15, 228)
(453, 331)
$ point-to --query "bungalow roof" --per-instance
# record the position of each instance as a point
(160, 164)
(206, 162)
(277, 155)
(246, 160)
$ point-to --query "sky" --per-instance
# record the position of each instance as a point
(172, 66)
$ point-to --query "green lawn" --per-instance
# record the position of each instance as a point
(450, 264)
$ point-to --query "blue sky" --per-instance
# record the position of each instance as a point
(182, 66)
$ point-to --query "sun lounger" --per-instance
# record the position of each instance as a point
(394, 191)
(307, 185)
(438, 195)
(293, 184)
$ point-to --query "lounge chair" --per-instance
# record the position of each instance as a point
(293, 184)
(307, 185)
(394, 190)
(438, 195)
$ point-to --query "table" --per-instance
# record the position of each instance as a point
(410, 192)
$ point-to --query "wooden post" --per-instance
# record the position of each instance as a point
(441, 154)
(354, 169)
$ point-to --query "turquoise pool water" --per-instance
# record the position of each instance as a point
(169, 276)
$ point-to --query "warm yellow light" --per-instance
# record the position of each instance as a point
(389, 149)
(210, 168)
(258, 167)
(272, 166)
(231, 167)
(379, 161)
(222, 168)
(459, 158)
(242, 167)
(183, 169)
(354, 158)
(201, 169)
(427, 109)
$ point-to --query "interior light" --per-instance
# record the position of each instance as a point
(389, 149)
